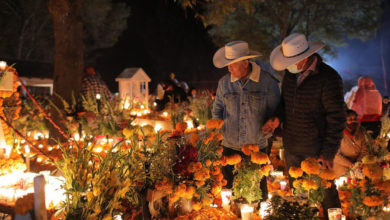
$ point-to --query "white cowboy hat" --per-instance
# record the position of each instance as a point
(233, 52)
(293, 49)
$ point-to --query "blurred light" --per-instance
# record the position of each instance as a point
(98, 96)
(158, 127)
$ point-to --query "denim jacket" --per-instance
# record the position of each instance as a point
(245, 107)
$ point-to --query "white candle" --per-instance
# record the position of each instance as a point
(246, 212)
(283, 185)
(226, 194)
(3, 65)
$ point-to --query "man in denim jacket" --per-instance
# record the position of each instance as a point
(245, 99)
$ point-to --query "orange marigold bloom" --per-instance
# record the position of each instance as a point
(220, 150)
(372, 171)
(223, 160)
(194, 138)
(297, 183)
(207, 201)
(259, 158)
(327, 174)
(309, 184)
(173, 199)
(295, 172)
(266, 169)
(326, 183)
(373, 201)
(207, 163)
(181, 126)
(200, 183)
(233, 159)
(223, 182)
(198, 165)
(214, 124)
(219, 177)
(254, 148)
(218, 136)
(384, 186)
(246, 150)
(189, 192)
(215, 171)
(216, 190)
(196, 205)
(272, 187)
(311, 166)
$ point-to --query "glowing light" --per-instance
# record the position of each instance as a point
(264, 207)
(143, 124)
(39, 159)
(126, 105)
(246, 212)
(154, 104)
(283, 185)
(139, 114)
(98, 96)
(158, 127)
(3, 65)
(142, 106)
(277, 173)
(50, 148)
(26, 149)
(226, 195)
(190, 125)
(98, 149)
(165, 114)
(40, 146)
(76, 137)
(340, 181)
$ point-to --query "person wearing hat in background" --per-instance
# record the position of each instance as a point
(246, 97)
(312, 108)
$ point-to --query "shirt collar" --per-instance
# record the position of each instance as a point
(254, 75)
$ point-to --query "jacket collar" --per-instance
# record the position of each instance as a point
(254, 75)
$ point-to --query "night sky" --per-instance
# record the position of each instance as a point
(162, 39)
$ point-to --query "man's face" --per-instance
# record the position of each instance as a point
(351, 119)
(385, 100)
(239, 69)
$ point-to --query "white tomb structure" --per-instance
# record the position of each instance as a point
(133, 85)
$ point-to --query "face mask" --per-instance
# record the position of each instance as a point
(293, 69)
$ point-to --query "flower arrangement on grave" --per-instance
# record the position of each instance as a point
(97, 185)
(196, 179)
(201, 107)
(311, 180)
(249, 171)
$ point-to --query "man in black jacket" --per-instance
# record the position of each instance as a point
(312, 109)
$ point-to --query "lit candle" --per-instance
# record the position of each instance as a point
(165, 114)
(226, 194)
(3, 65)
(98, 96)
(246, 212)
(157, 127)
(340, 181)
(27, 151)
(283, 185)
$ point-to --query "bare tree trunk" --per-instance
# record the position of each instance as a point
(69, 50)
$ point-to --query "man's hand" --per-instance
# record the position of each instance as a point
(326, 163)
(270, 125)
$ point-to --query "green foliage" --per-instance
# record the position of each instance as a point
(246, 182)
(264, 24)
(30, 118)
(201, 108)
(291, 208)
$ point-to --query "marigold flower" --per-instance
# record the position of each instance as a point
(309, 184)
(216, 190)
(174, 198)
(272, 187)
(223, 182)
(198, 165)
(326, 183)
(220, 150)
(194, 138)
(191, 167)
(246, 150)
(218, 136)
(254, 148)
(295, 172)
(219, 177)
(215, 171)
(373, 201)
(327, 174)
(174, 133)
(297, 183)
(372, 171)
(384, 186)
(189, 192)
(233, 159)
(214, 124)
(344, 195)
(259, 158)
(266, 169)
(181, 126)
(196, 205)
(207, 163)
(207, 201)
(200, 183)
(311, 166)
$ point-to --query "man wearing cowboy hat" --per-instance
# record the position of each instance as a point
(246, 97)
(312, 109)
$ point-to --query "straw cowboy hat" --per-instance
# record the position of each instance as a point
(233, 52)
(293, 49)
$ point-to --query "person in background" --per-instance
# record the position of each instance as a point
(368, 105)
(353, 146)
(385, 106)
(246, 97)
(312, 108)
(92, 84)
